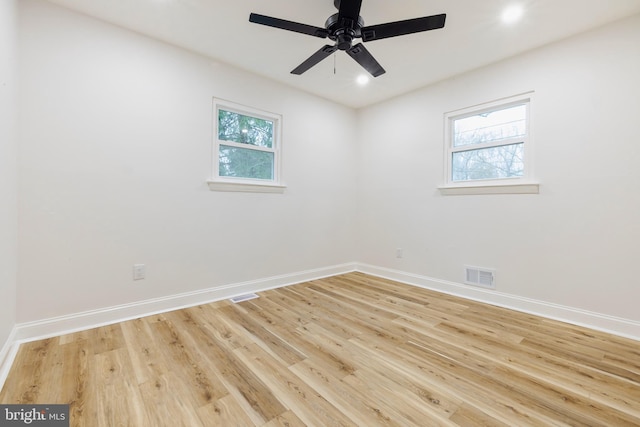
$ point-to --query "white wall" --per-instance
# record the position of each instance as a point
(8, 185)
(575, 243)
(115, 152)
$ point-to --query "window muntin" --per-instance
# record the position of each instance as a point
(489, 143)
(246, 144)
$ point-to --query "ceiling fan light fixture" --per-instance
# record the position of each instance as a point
(362, 79)
(512, 14)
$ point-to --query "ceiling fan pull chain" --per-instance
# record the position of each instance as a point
(334, 63)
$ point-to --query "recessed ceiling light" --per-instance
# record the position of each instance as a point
(512, 14)
(362, 79)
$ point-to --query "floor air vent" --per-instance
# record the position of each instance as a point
(477, 276)
(245, 297)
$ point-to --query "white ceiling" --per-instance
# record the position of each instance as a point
(473, 36)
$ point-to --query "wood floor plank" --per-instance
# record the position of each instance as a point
(348, 350)
(288, 419)
(211, 322)
(356, 404)
(434, 399)
(143, 351)
(26, 389)
(227, 412)
(76, 373)
(264, 337)
(106, 338)
(238, 379)
(468, 415)
(118, 399)
(563, 400)
(306, 403)
(405, 411)
(495, 396)
(185, 360)
(166, 400)
(582, 380)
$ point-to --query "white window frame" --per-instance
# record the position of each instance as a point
(226, 183)
(514, 185)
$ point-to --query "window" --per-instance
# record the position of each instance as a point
(489, 146)
(246, 149)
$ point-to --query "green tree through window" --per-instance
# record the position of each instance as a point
(244, 129)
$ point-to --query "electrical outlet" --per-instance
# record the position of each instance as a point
(139, 271)
(399, 252)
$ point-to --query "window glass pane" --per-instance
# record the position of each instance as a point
(491, 126)
(488, 163)
(245, 163)
(244, 129)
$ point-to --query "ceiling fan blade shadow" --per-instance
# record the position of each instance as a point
(400, 28)
(349, 9)
(362, 56)
(321, 54)
(288, 25)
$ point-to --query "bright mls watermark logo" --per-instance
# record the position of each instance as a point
(34, 415)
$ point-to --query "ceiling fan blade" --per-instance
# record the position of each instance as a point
(321, 54)
(289, 25)
(349, 9)
(400, 28)
(364, 58)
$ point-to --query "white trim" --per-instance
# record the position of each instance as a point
(520, 188)
(245, 187)
(489, 105)
(601, 322)
(55, 326)
(8, 353)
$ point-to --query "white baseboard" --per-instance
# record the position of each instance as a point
(7, 355)
(601, 322)
(45, 328)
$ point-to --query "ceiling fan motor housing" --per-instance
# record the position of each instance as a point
(343, 31)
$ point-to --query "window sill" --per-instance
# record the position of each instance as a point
(244, 187)
(460, 190)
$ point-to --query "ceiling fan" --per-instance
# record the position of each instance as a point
(347, 25)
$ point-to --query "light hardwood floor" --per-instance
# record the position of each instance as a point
(351, 350)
